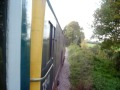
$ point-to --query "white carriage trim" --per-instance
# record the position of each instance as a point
(14, 44)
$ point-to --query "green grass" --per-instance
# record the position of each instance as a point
(92, 68)
(90, 45)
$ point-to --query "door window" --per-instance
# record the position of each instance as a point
(46, 43)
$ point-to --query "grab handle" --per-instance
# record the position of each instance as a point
(40, 79)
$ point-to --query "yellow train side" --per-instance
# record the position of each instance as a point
(38, 11)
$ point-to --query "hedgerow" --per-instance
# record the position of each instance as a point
(92, 69)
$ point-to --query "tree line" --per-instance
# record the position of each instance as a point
(73, 33)
(107, 28)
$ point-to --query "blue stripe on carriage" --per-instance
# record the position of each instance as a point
(25, 49)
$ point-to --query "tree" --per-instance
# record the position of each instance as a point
(107, 28)
(73, 33)
(107, 23)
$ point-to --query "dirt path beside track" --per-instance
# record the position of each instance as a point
(64, 83)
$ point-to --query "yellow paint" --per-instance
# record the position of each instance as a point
(38, 12)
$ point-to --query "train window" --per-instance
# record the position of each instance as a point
(2, 45)
(51, 39)
(46, 43)
(54, 31)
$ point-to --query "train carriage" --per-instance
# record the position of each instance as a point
(31, 45)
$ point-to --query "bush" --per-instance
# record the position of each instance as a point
(91, 68)
(80, 67)
(116, 58)
(104, 75)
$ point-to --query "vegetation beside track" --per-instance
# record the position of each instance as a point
(92, 69)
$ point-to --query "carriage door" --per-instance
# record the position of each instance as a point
(3, 7)
(47, 56)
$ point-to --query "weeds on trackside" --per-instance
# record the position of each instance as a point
(91, 69)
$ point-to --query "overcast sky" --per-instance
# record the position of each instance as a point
(76, 10)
